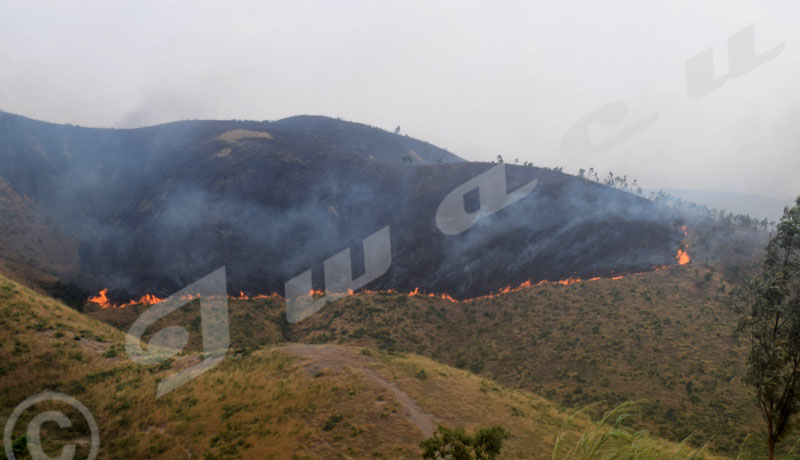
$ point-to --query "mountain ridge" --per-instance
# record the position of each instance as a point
(151, 210)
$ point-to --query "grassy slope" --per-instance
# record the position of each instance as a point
(664, 336)
(260, 404)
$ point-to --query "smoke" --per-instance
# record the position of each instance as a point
(154, 209)
(482, 80)
(565, 228)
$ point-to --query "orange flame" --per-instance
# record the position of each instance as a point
(243, 296)
(101, 299)
(682, 258)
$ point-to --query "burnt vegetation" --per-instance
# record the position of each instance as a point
(153, 209)
(150, 210)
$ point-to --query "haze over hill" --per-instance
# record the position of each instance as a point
(757, 206)
(150, 210)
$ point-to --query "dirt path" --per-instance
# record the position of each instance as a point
(331, 357)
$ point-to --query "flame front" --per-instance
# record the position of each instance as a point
(682, 258)
(101, 299)
(243, 296)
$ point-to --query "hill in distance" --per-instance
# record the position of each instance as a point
(757, 206)
(150, 210)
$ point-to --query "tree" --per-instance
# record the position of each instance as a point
(499, 158)
(456, 444)
(592, 175)
(397, 130)
(771, 321)
(636, 188)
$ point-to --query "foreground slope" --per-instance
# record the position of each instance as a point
(663, 336)
(289, 401)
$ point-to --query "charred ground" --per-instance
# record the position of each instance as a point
(151, 210)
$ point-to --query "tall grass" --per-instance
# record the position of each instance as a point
(755, 448)
(608, 439)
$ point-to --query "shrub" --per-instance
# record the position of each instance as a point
(332, 421)
(19, 447)
(456, 444)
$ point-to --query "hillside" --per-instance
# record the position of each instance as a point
(289, 401)
(663, 336)
(610, 307)
(150, 210)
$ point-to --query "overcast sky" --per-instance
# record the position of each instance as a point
(521, 79)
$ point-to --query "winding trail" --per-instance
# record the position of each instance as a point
(332, 357)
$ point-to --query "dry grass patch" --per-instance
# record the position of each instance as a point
(239, 134)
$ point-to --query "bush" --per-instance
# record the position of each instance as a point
(19, 447)
(331, 423)
(456, 444)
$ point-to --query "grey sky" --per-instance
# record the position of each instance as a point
(479, 78)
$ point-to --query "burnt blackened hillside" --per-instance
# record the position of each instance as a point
(153, 209)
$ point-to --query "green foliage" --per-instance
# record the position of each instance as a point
(771, 322)
(456, 444)
(19, 447)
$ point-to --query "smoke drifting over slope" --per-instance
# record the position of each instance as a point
(153, 209)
